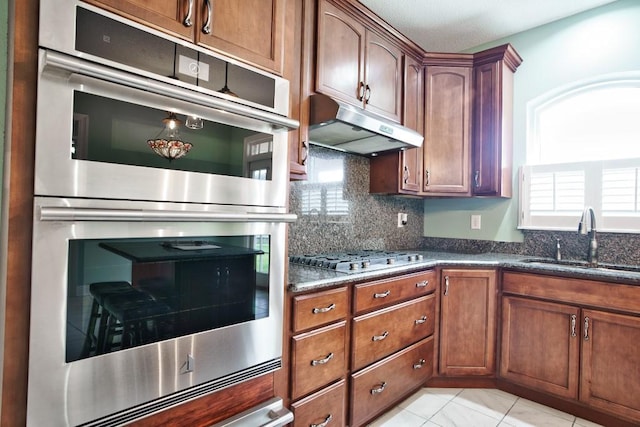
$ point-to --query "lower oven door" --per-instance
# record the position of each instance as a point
(138, 306)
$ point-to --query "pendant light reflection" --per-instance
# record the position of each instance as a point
(168, 143)
(226, 89)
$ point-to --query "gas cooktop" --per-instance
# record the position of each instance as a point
(357, 261)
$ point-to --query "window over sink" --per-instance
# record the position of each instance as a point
(583, 149)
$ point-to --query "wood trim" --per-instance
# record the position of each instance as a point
(214, 407)
(21, 109)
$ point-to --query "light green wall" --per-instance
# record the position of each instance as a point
(600, 41)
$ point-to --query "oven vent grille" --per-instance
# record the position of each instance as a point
(145, 409)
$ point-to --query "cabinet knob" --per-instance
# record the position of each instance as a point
(420, 364)
(187, 19)
(383, 294)
(380, 389)
(323, 309)
(206, 28)
(380, 337)
(324, 423)
(421, 320)
(322, 361)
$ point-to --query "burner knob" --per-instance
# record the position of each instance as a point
(412, 258)
(354, 266)
(420, 257)
(366, 264)
(391, 260)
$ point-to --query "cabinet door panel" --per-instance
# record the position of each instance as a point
(340, 54)
(383, 77)
(328, 404)
(164, 15)
(610, 366)
(413, 118)
(447, 130)
(540, 345)
(467, 328)
(251, 30)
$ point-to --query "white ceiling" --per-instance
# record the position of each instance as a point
(457, 25)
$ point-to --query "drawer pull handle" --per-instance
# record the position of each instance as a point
(379, 390)
(420, 364)
(383, 294)
(573, 325)
(446, 285)
(421, 320)
(422, 284)
(380, 337)
(324, 423)
(323, 310)
(322, 361)
(187, 19)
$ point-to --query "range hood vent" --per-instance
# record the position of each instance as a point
(340, 126)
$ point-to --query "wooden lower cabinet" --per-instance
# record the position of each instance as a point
(328, 406)
(541, 345)
(568, 345)
(468, 322)
(610, 368)
(377, 387)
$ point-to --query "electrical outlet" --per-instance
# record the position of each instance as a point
(476, 222)
(402, 219)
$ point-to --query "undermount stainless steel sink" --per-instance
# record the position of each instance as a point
(583, 265)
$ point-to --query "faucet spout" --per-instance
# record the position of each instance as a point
(588, 226)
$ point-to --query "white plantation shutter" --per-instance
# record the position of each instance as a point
(554, 196)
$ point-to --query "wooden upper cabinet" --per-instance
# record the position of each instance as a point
(356, 65)
(540, 345)
(468, 322)
(493, 121)
(249, 30)
(447, 135)
(401, 173)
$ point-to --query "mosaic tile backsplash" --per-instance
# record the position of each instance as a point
(337, 213)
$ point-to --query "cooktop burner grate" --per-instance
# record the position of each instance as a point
(357, 261)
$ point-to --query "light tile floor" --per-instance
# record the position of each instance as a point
(451, 407)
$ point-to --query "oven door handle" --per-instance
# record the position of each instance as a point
(55, 213)
(82, 70)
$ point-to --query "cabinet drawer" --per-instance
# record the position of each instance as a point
(377, 294)
(319, 308)
(317, 357)
(378, 334)
(383, 384)
(328, 404)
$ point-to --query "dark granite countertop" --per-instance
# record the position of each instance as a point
(304, 278)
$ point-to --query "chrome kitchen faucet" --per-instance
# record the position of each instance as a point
(592, 255)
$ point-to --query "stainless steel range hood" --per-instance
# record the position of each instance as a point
(335, 124)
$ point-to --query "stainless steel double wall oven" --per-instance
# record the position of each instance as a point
(159, 221)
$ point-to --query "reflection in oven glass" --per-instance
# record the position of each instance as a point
(128, 293)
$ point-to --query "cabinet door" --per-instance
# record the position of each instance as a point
(170, 16)
(414, 119)
(383, 77)
(250, 30)
(447, 130)
(540, 345)
(493, 121)
(340, 55)
(468, 322)
(610, 366)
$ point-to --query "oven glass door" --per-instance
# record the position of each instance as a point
(124, 293)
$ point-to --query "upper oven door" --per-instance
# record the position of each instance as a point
(94, 124)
